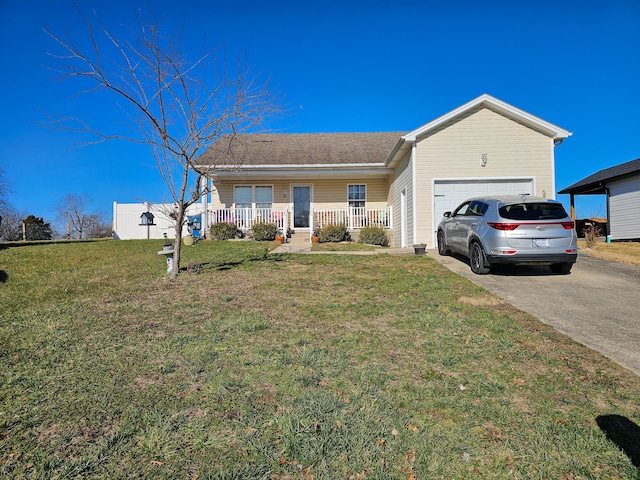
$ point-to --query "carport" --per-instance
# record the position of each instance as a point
(621, 186)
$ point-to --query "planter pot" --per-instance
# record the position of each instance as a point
(420, 248)
(189, 240)
(315, 239)
(280, 240)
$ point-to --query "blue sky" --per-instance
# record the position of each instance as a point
(341, 66)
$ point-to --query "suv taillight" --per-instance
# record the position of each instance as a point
(568, 225)
(503, 226)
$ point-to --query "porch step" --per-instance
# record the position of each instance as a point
(299, 239)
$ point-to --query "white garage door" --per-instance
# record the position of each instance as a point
(448, 194)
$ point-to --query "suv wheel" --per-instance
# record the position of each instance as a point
(477, 261)
(442, 246)
(564, 267)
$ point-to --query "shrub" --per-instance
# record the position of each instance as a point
(263, 231)
(334, 233)
(223, 231)
(591, 234)
(373, 235)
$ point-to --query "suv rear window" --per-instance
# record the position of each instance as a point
(533, 211)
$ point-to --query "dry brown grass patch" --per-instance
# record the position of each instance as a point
(482, 301)
(622, 252)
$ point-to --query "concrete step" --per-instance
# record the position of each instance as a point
(299, 239)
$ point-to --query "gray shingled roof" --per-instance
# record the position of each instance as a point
(595, 184)
(302, 149)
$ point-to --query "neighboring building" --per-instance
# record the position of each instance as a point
(621, 185)
(403, 182)
(129, 222)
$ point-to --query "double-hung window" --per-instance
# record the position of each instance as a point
(357, 195)
(264, 196)
(250, 196)
(243, 196)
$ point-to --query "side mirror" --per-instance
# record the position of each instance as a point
(446, 214)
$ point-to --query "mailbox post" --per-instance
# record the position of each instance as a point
(167, 251)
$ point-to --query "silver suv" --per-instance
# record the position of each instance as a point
(510, 229)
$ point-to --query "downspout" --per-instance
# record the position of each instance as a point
(606, 190)
(414, 192)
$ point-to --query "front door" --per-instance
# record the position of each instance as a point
(301, 206)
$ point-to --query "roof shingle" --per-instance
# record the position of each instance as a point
(301, 149)
(595, 184)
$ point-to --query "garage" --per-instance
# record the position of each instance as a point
(448, 194)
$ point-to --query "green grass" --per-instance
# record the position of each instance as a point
(343, 247)
(282, 367)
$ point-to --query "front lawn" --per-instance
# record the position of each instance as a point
(253, 365)
(344, 247)
(622, 252)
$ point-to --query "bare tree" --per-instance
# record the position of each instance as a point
(11, 226)
(71, 210)
(4, 190)
(98, 226)
(180, 104)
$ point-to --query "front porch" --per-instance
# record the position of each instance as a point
(285, 219)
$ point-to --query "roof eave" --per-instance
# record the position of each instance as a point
(333, 170)
(589, 189)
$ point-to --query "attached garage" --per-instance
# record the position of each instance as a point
(485, 147)
(448, 194)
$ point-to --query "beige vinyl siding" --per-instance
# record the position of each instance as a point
(334, 194)
(455, 152)
(401, 179)
(330, 193)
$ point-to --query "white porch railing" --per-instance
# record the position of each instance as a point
(245, 218)
(353, 217)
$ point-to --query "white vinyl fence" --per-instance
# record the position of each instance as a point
(127, 221)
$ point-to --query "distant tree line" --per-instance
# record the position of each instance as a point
(71, 211)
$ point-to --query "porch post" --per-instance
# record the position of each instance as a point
(573, 207)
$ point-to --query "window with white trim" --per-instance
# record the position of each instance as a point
(263, 196)
(253, 196)
(357, 195)
(243, 196)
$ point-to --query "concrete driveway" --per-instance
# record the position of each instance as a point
(597, 304)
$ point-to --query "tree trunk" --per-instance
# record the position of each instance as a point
(177, 244)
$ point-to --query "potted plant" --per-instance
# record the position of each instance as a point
(315, 235)
(420, 248)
